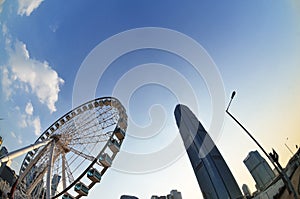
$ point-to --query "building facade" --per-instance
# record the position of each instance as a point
(259, 169)
(214, 177)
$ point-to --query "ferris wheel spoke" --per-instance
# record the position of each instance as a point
(79, 133)
(79, 123)
(68, 171)
(81, 154)
(90, 139)
(84, 126)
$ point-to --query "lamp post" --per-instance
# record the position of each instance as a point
(272, 157)
(288, 147)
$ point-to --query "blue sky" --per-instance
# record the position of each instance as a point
(255, 46)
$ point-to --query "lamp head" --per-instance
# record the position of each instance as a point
(233, 94)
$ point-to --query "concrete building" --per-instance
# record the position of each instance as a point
(259, 169)
(214, 177)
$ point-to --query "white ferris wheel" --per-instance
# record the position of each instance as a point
(72, 155)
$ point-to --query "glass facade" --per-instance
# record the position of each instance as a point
(214, 177)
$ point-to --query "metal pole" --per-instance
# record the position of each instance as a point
(256, 142)
(22, 151)
(64, 170)
(283, 175)
(289, 148)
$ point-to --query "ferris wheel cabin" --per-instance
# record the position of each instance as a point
(94, 175)
(67, 196)
(119, 133)
(114, 145)
(81, 189)
(105, 160)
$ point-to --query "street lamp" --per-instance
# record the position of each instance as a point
(272, 157)
(288, 147)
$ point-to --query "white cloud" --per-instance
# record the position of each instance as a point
(27, 120)
(6, 83)
(1, 5)
(4, 27)
(19, 138)
(36, 124)
(54, 27)
(23, 121)
(20, 141)
(13, 134)
(41, 79)
(29, 108)
(28, 6)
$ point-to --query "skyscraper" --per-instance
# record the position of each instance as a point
(259, 169)
(214, 177)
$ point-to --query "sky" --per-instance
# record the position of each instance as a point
(153, 55)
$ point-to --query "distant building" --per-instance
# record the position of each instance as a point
(246, 191)
(214, 177)
(259, 169)
(174, 194)
(55, 181)
(4, 188)
(159, 197)
(6, 173)
(3, 151)
(128, 197)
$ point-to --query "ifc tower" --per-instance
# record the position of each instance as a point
(214, 177)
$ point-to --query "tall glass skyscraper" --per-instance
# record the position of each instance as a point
(214, 177)
(259, 169)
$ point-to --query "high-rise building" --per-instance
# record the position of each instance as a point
(214, 177)
(259, 169)
(128, 197)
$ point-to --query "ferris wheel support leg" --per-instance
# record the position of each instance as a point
(49, 173)
(22, 151)
(64, 171)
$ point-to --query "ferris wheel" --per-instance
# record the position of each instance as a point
(72, 155)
